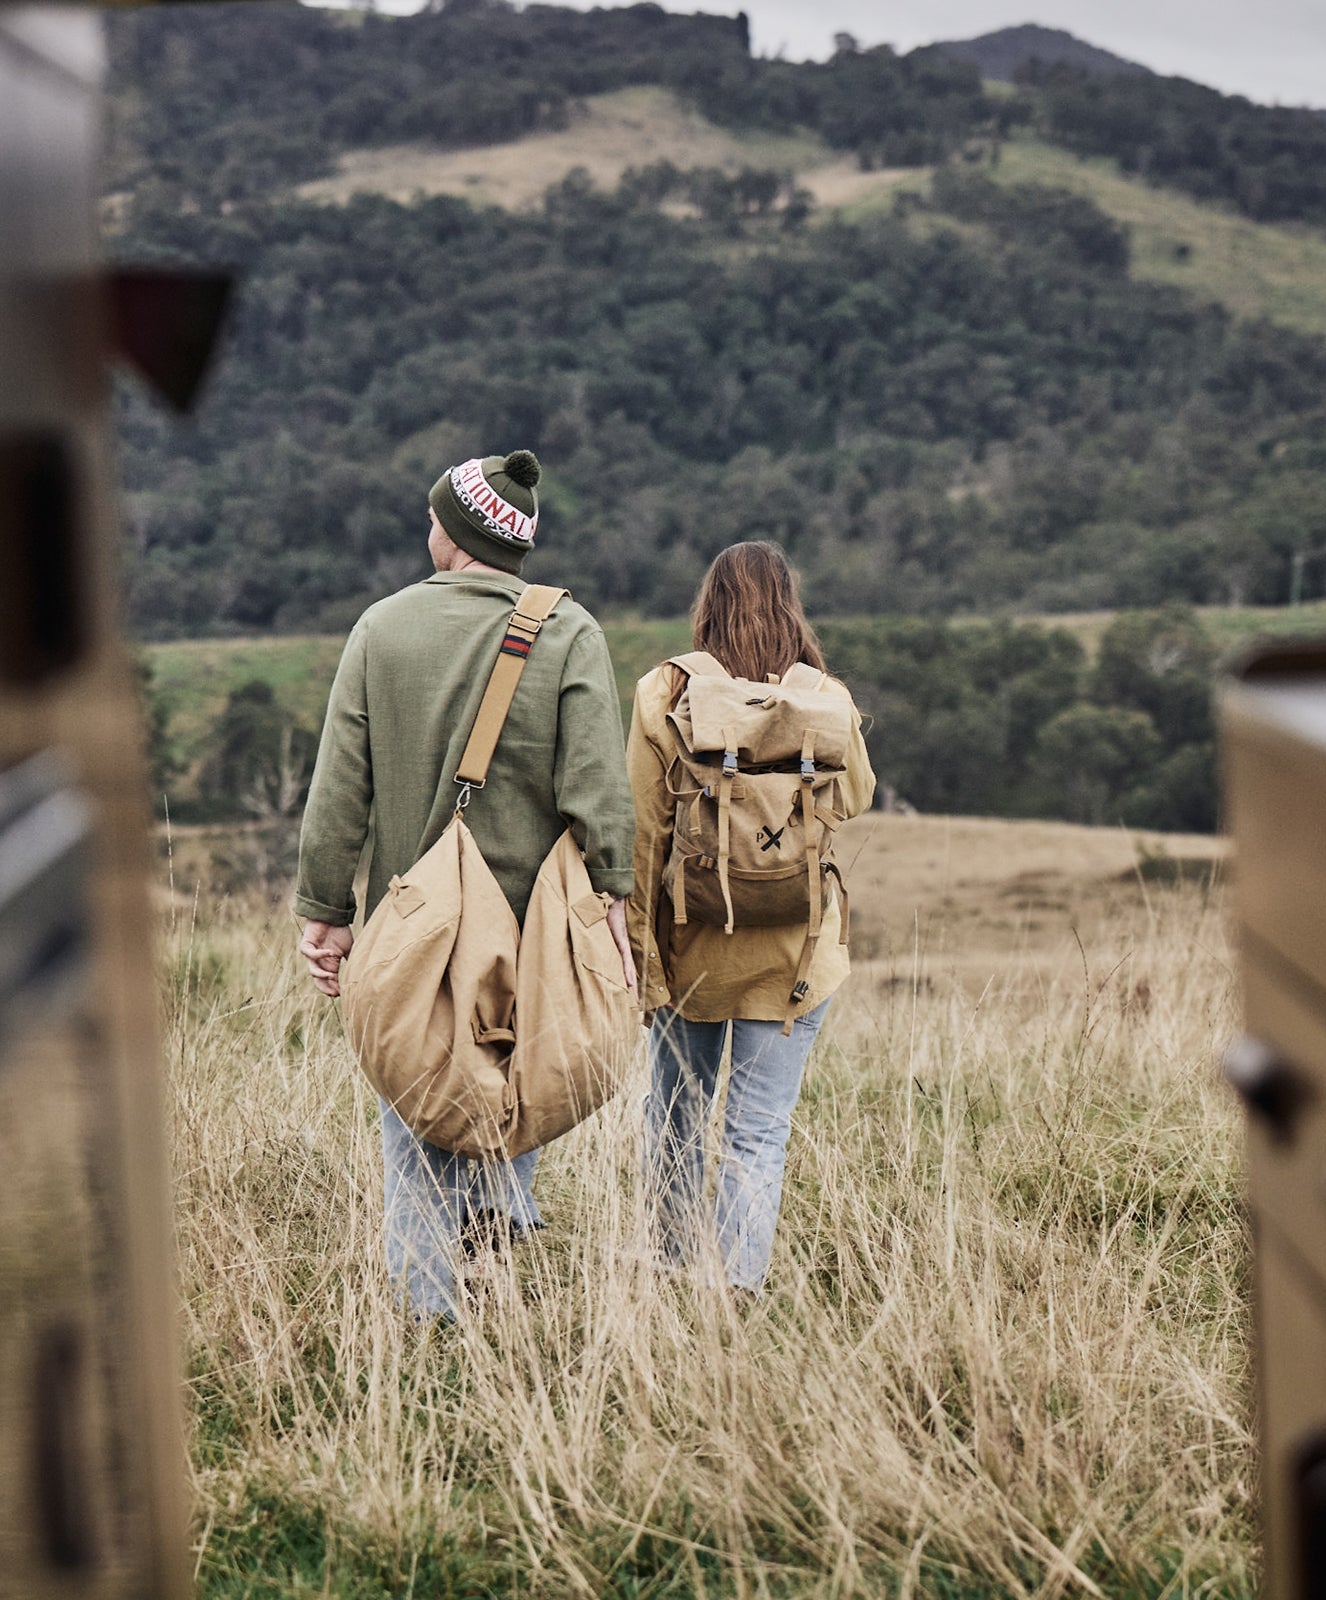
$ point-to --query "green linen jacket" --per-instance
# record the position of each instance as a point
(405, 696)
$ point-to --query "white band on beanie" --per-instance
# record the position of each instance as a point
(479, 498)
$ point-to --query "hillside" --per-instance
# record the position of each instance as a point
(859, 306)
(1209, 250)
(1008, 55)
(607, 135)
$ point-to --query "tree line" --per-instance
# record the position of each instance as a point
(964, 406)
(996, 719)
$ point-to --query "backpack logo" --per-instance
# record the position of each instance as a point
(767, 839)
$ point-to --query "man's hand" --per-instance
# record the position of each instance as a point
(324, 947)
(617, 925)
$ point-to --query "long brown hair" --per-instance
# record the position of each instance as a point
(748, 613)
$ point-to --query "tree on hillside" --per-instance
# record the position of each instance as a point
(260, 761)
(1089, 757)
(1161, 663)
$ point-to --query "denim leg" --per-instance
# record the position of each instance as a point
(504, 1187)
(683, 1060)
(424, 1193)
(767, 1070)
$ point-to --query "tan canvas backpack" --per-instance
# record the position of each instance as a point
(489, 1040)
(756, 773)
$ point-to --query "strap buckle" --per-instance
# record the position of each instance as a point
(799, 991)
(466, 785)
(729, 763)
(807, 769)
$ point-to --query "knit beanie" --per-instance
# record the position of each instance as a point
(489, 506)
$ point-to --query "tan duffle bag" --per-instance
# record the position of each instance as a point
(489, 1040)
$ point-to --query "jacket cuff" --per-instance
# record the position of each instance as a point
(334, 916)
(618, 881)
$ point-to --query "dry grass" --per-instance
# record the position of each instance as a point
(608, 134)
(1006, 1348)
(1255, 269)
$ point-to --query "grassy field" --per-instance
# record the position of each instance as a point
(610, 132)
(1256, 269)
(1005, 1352)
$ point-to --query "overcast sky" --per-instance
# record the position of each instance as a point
(1273, 50)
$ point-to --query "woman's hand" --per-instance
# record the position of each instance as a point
(617, 925)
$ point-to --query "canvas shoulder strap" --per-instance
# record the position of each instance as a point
(535, 606)
(802, 676)
(698, 663)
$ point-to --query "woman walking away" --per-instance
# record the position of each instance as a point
(744, 757)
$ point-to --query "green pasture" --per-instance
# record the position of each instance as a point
(192, 678)
(1255, 269)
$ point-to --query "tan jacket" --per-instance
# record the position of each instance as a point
(711, 975)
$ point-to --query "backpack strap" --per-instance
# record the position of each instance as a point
(698, 663)
(726, 778)
(801, 983)
(803, 676)
(536, 604)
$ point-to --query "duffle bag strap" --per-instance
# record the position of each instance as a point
(536, 604)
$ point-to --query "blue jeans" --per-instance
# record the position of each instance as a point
(429, 1195)
(763, 1089)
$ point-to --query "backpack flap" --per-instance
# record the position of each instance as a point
(768, 721)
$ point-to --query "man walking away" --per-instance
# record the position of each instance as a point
(405, 696)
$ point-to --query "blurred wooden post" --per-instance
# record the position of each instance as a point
(1273, 728)
(91, 1458)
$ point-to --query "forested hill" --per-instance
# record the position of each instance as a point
(233, 101)
(951, 394)
(226, 100)
(1010, 55)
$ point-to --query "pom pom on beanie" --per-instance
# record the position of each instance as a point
(522, 467)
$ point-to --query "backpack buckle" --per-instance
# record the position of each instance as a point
(729, 763)
(800, 991)
(807, 769)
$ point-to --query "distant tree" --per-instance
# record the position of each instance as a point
(260, 761)
(1161, 663)
(163, 767)
(1089, 757)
